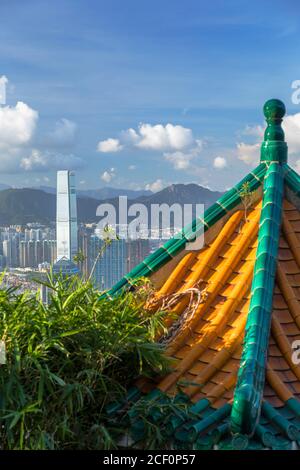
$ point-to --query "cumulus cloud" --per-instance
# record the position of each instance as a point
(220, 163)
(249, 153)
(63, 134)
(161, 137)
(291, 127)
(109, 146)
(108, 175)
(181, 160)
(3, 83)
(297, 166)
(157, 185)
(17, 128)
(41, 161)
(21, 148)
(132, 167)
(17, 125)
(177, 143)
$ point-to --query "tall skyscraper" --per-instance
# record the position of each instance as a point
(66, 216)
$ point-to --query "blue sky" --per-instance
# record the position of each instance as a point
(88, 71)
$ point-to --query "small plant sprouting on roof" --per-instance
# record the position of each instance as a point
(108, 236)
(247, 197)
(79, 257)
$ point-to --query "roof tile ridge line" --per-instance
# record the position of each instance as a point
(172, 247)
(251, 376)
(292, 179)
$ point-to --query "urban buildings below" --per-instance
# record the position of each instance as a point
(73, 249)
(33, 248)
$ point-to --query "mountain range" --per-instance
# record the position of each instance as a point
(102, 193)
(21, 206)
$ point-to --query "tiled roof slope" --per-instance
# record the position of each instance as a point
(233, 382)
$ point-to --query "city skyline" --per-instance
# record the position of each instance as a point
(31, 251)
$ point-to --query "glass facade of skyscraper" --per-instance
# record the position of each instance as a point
(66, 216)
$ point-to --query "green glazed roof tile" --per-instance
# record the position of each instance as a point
(249, 389)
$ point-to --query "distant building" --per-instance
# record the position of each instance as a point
(31, 253)
(84, 235)
(10, 252)
(111, 266)
(66, 216)
(137, 250)
(65, 267)
(49, 251)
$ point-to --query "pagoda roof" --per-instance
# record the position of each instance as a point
(234, 381)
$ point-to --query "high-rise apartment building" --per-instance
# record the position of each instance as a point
(66, 216)
(10, 249)
(112, 264)
(49, 251)
(83, 248)
(137, 250)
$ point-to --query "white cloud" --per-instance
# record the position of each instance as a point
(291, 127)
(297, 166)
(157, 185)
(21, 148)
(177, 143)
(17, 125)
(3, 80)
(249, 153)
(167, 137)
(220, 163)
(129, 137)
(256, 131)
(109, 145)
(3, 83)
(132, 167)
(181, 160)
(108, 175)
(63, 134)
(42, 161)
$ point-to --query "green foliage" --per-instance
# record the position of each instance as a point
(107, 236)
(247, 197)
(65, 361)
(79, 257)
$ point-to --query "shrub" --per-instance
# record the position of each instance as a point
(65, 361)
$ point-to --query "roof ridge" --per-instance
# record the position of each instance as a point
(292, 179)
(251, 377)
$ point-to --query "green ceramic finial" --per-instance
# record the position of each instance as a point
(274, 110)
(274, 148)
